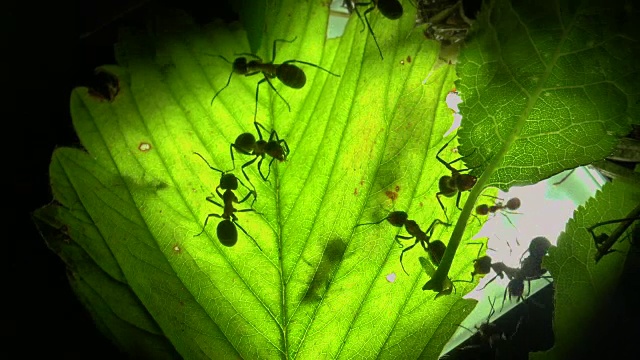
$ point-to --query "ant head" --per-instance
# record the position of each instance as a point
(240, 65)
(465, 182)
(246, 142)
(227, 233)
(228, 182)
(398, 218)
(482, 209)
(513, 204)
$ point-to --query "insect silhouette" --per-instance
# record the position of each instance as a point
(289, 74)
(455, 184)
(488, 332)
(435, 248)
(391, 9)
(530, 269)
(603, 241)
(226, 230)
(246, 144)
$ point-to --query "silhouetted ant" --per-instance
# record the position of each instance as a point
(226, 231)
(530, 269)
(603, 241)
(512, 205)
(435, 249)
(290, 75)
(246, 144)
(391, 9)
(456, 183)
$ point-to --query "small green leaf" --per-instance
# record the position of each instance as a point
(583, 287)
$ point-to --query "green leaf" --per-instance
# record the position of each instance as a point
(585, 289)
(546, 86)
(361, 145)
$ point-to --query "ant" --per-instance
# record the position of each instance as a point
(603, 241)
(391, 9)
(226, 231)
(530, 269)
(246, 144)
(290, 75)
(435, 249)
(512, 205)
(456, 183)
(487, 331)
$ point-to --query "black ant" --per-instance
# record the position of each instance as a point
(488, 332)
(512, 205)
(530, 269)
(226, 231)
(290, 75)
(456, 183)
(391, 9)
(246, 144)
(603, 241)
(435, 249)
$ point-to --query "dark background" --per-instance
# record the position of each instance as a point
(50, 48)
(44, 58)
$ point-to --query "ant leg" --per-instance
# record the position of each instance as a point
(274, 89)
(490, 281)
(446, 164)
(286, 147)
(210, 199)
(397, 237)
(260, 170)
(255, 196)
(258, 126)
(458, 200)
(310, 64)
(245, 174)
(206, 162)
(358, 12)
(246, 197)
(371, 30)
(224, 87)
(270, 162)
(441, 205)
(250, 237)
(402, 254)
(435, 222)
(206, 221)
(274, 46)
(233, 160)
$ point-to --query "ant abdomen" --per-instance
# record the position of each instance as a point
(513, 204)
(436, 251)
(227, 233)
(291, 76)
(447, 186)
(246, 142)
